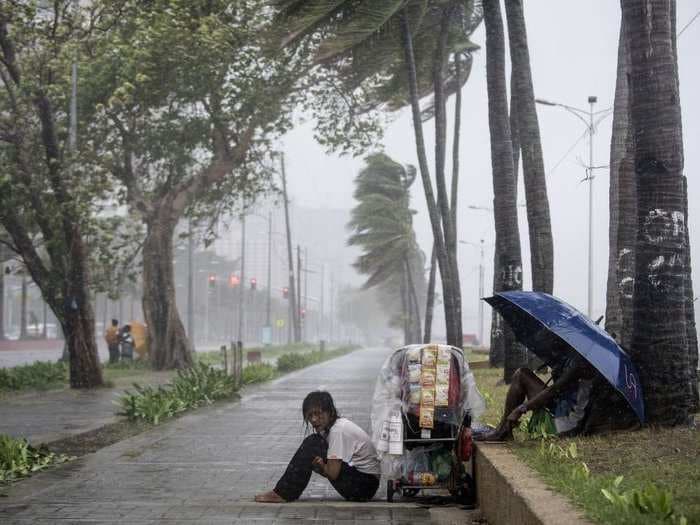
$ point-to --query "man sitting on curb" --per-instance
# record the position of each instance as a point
(564, 401)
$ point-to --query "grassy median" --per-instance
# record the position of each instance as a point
(649, 476)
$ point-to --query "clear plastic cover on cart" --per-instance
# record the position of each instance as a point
(430, 385)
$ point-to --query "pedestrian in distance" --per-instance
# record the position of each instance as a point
(112, 340)
(127, 343)
(338, 450)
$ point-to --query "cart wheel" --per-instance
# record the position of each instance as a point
(465, 494)
(390, 490)
(410, 493)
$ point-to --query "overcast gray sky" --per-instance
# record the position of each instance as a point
(573, 52)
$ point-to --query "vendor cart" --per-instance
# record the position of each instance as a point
(422, 410)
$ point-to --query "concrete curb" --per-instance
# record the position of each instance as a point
(509, 492)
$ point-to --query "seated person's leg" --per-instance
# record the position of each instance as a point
(524, 385)
(354, 485)
(296, 477)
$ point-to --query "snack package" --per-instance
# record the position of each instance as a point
(413, 355)
(414, 370)
(426, 417)
(429, 356)
(443, 355)
(427, 378)
(414, 392)
(427, 398)
(442, 395)
(442, 373)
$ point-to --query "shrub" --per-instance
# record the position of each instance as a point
(38, 375)
(19, 459)
(191, 388)
(257, 373)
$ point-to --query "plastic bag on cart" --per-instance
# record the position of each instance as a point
(427, 465)
(394, 393)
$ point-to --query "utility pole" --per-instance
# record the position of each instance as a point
(591, 131)
(322, 307)
(298, 304)
(268, 322)
(242, 284)
(294, 313)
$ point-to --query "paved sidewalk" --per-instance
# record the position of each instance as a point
(42, 417)
(206, 466)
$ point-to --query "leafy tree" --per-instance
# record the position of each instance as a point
(539, 223)
(43, 187)
(190, 100)
(401, 49)
(664, 339)
(382, 225)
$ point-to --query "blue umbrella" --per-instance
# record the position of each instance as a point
(550, 328)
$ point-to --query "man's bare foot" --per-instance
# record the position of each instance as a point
(270, 497)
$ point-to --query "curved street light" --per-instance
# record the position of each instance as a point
(590, 130)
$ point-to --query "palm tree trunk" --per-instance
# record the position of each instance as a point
(430, 301)
(413, 304)
(539, 224)
(448, 225)
(608, 410)
(2, 302)
(661, 333)
(507, 263)
(623, 207)
(438, 238)
(405, 310)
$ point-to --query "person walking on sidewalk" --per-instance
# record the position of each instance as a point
(112, 340)
(338, 450)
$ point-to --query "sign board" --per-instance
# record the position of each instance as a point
(267, 335)
(279, 323)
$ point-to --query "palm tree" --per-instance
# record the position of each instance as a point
(623, 206)
(367, 39)
(663, 342)
(539, 224)
(382, 225)
(608, 409)
(507, 262)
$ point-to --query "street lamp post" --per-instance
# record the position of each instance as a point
(590, 129)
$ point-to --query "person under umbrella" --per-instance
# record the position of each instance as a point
(564, 401)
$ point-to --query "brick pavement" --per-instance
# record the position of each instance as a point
(206, 467)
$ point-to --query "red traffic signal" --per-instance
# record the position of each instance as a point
(303, 313)
(212, 280)
(233, 280)
(253, 283)
(285, 292)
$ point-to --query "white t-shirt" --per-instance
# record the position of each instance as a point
(351, 444)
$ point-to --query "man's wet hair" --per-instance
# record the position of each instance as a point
(321, 400)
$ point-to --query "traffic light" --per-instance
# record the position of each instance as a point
(303, 313)
(233, 280)
(212, 280)
(253, 284)
(285, 292)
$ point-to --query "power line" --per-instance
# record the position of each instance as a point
(688, 24)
